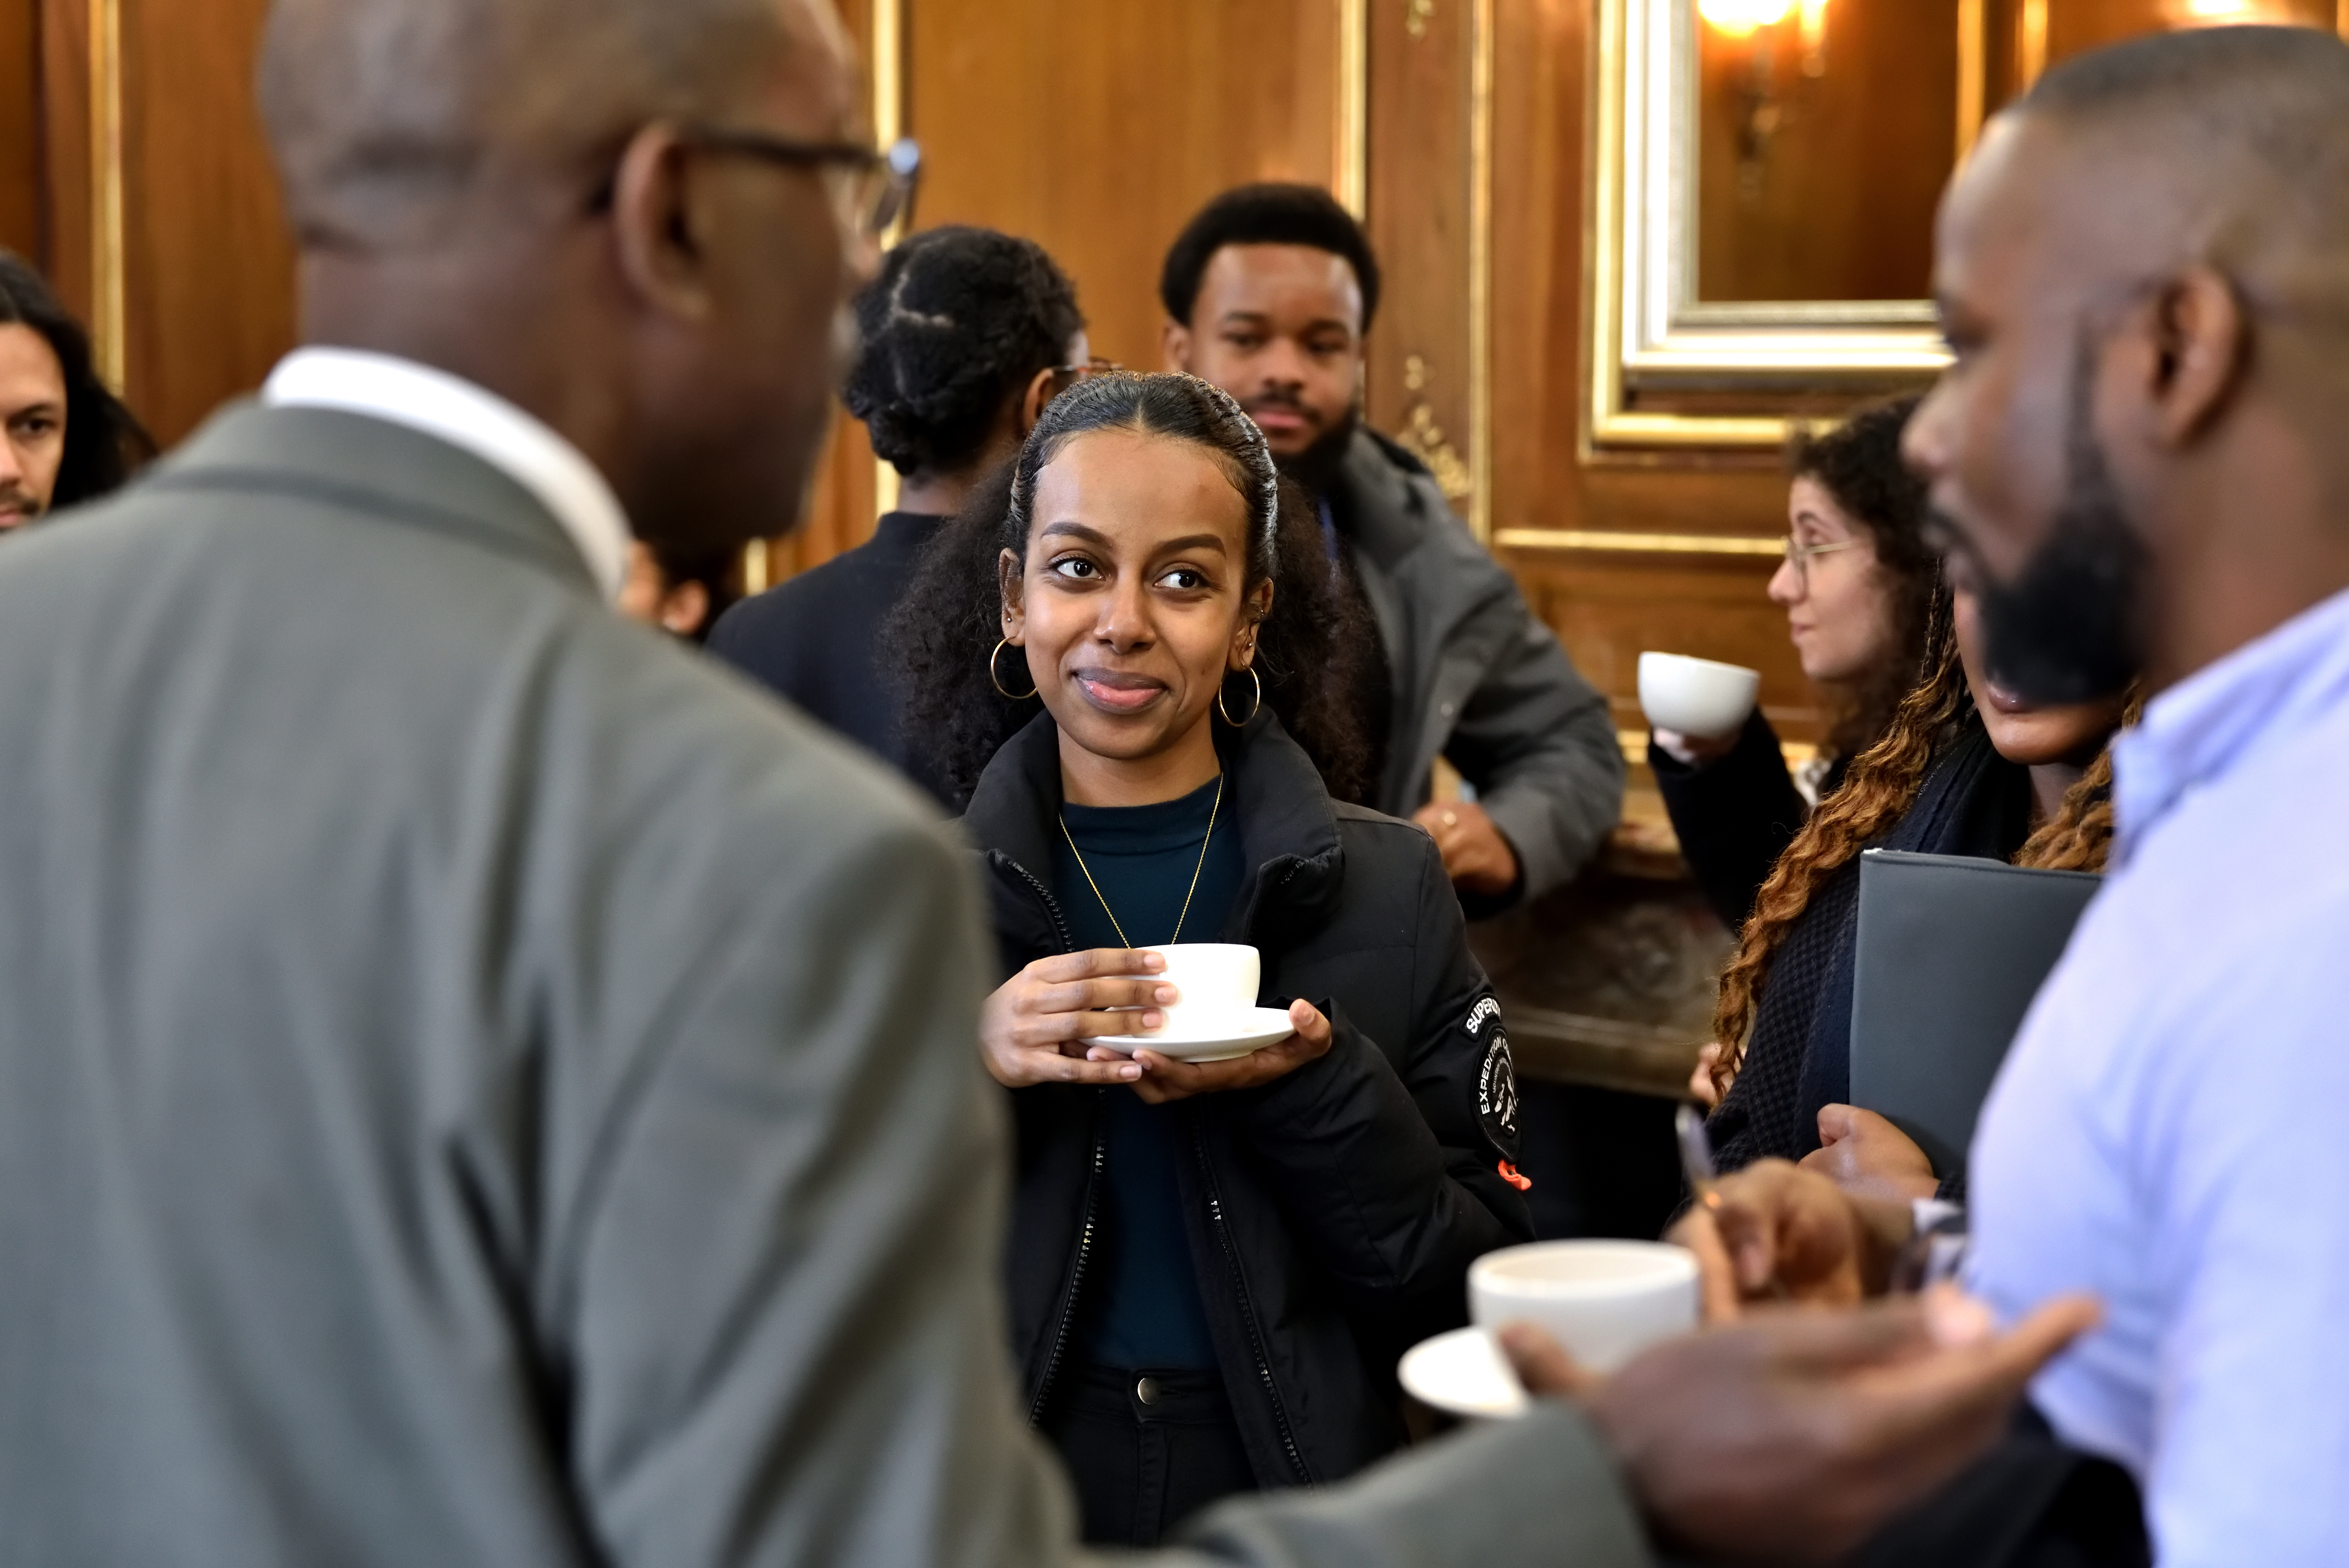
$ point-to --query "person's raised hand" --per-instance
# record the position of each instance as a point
(1776, 1231)
(1695, 750)
(1700, 1086)
(1868, 1157)
(1164, 1078)
(1476, 854)
(1792, 1435)
(1035, 1027)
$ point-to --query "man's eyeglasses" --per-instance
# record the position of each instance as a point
(873, 189)
(1067, 376)
(1799, 554)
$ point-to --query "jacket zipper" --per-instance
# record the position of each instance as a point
(1065, 1313)
(1248, 1311)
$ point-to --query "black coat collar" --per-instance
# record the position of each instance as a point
(1287, 823)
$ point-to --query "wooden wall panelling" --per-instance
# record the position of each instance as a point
(1607, 606)
(1420, 80)
(1098, 130)
(63, 28)
(1095, 131)
(20, 129)
(208, 263)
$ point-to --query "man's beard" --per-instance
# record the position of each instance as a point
(23, 503)
(1316, 467)
(2066, 629)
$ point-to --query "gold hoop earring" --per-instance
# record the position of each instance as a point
(1242, 722)
(996, 653)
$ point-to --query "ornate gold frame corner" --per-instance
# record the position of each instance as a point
(1645, 330)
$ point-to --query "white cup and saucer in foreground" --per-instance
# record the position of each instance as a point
(1701, 697)
(1603, 1301)
(1214, 1017)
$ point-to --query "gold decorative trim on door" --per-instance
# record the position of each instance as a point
(109, 333)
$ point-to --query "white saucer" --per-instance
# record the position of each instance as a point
(1218, 1038)
(1463, 1373)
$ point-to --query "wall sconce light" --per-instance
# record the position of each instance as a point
(2219, 12)
(1752, 23)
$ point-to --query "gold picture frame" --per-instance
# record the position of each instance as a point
(1647, 332)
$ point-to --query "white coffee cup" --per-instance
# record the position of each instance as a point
(1702, 697)
(1604, 1301)
(1212, 980)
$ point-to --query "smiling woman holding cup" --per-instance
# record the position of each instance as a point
(1211, 1261)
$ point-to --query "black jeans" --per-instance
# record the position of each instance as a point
(1146, 1450)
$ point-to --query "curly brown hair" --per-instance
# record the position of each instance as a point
(1311, 651)
(1882, 785)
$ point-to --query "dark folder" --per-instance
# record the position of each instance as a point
(1950, 951)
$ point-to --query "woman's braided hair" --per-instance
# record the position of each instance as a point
(958, 320)
(1310, 649)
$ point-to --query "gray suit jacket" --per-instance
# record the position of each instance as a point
(1478, 679)
(479, 1085)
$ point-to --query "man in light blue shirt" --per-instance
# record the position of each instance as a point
(2140, 458)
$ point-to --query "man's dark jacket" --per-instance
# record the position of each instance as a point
(1332, 1213)
(1478, 679)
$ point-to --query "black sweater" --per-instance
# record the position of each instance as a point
(815, 640)
(1735, 815)
(1331, 1214)
(1798, 1053)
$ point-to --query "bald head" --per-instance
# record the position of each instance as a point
(390, 118)
(2144, 274)
(2227, 148)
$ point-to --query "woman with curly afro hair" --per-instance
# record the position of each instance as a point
(965, 335)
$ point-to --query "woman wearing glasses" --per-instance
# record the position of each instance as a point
(967, 334)
(1854, 586)
(1131, 645)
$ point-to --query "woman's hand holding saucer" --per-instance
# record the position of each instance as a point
(1164, 1079)
(1034, 1028)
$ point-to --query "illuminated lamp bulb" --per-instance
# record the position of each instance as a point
(1742, 18)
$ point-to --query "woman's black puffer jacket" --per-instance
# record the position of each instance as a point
(1332, 1213)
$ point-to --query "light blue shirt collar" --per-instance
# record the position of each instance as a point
(2219, 719)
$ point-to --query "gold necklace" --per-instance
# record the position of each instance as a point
(1179, 919)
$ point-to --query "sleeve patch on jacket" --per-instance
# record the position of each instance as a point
(1496, 1078)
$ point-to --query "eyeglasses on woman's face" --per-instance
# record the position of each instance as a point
(1800, 552)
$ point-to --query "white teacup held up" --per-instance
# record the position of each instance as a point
(1701, 697)
(1214, 1016)
(1603, 1301)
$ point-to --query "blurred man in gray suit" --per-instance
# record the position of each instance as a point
(480, 1086)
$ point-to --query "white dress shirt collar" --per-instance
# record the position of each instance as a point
(477, 420)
